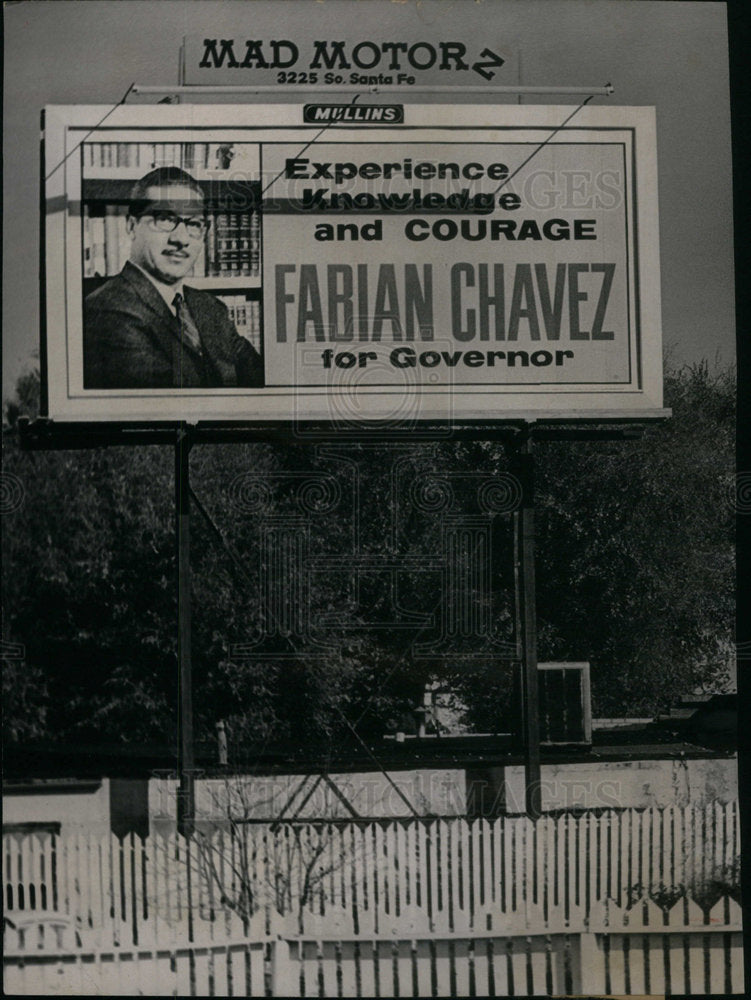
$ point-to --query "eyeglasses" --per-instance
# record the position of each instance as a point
(167, 222)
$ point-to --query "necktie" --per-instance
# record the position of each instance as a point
(188, 328)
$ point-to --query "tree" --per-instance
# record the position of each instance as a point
(634, 572)
(636, 551)
(26, 400)
(88, 587)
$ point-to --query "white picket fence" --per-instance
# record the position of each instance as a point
(408, 908)
(641, 950)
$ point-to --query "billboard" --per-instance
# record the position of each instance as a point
(350, 261)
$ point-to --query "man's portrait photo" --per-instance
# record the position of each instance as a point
(146, 328)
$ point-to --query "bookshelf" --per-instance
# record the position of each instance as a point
(229, 264)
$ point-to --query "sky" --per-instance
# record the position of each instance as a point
(672, 55)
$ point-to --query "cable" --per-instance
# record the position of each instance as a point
(239, 565)
(306, 146)
(543, 144)
(98, 125)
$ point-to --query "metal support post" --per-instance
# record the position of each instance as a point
(525, 525)
(186, 807)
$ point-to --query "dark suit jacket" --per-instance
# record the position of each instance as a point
(131, 340)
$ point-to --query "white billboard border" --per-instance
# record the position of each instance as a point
(66, 126)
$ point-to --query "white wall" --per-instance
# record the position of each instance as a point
(69, 808)
(370, 795)
(628, 784)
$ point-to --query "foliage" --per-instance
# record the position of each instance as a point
(26, 401)
(248, 868)
(635, 551)
(88, 588)
(634, 574)
(719, 880)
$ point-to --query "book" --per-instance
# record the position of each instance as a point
(111, 240)
(88, 264)
(255, 244)
(98, 261)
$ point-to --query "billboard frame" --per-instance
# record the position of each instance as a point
(630, 405)
(517, 430)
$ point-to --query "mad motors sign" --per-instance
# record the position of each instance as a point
(365, 60)
(382, 261)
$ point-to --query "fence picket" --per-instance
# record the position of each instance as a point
(423, 960)
(123, 896)
(505, 829)
(734, 963)
(385, 969)
(657, 963)
(475, 853)
(589, 872)
(734, 845)
(380, 874)
(443, 968)
(219, 961)
(719, 838)
(99, 895)
(606, 850)
(309, 968)
(400, 862)
(617, 958)
(633, 878)
(37, 875)
(481, 968)
(705, 859)
(622, 821)
(637, 962)
(461, 968)
(661, 841)
(485, 884)
(88, 879)
(183, 963)
(517, 965)
(28, 874)
(441, 831)
(454, 870)
(330, 968)
(726, 857)
(368, 959)
(559, 897)
(403, 968)
(137, 861)
(675, 966)
(683, 860)
(67, 894)
(651, 841)
(366, 867)
(206, 971)
(348, 970)
(466, 893)
(560, 965)
(414, 861)
(527, 863)
(518, 893)
(538, 967)
(573, 854)
(423, 891)
(333, 868)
